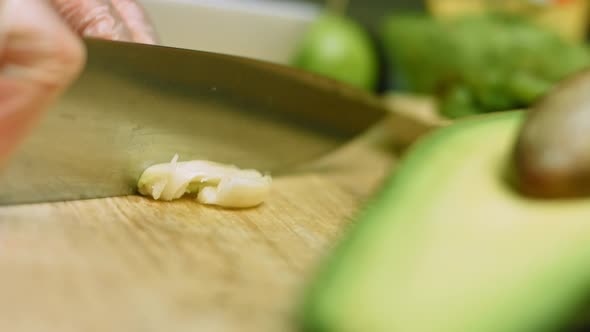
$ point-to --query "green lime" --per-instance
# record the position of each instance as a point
(339, 48)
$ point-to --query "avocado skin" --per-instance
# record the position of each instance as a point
(448, 245)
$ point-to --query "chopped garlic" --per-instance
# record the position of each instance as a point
(214, 183)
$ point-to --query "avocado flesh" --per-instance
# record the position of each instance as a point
(449, 246)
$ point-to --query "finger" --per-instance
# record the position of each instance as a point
(137, 21)
(93, 18)
(39, 58)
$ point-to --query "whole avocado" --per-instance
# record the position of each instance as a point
(337, 47)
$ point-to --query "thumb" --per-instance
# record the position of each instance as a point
(39, 58)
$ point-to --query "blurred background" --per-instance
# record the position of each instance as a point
(266, 29)
(461, 57)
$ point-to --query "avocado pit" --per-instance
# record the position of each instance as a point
(552, 150)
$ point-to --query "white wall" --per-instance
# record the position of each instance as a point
(260, 29)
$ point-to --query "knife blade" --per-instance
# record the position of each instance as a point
(135, 105)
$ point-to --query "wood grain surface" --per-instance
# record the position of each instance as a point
(132, 264)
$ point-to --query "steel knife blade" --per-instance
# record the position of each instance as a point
(135, 105)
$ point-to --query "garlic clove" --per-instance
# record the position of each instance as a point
(213, 183)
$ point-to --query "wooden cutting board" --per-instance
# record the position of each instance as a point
(132, 264)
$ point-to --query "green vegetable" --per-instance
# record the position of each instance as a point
(337, 47)
(459, 103)
(503, 62)
(449, 246)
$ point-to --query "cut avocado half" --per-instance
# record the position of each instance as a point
(449, 246)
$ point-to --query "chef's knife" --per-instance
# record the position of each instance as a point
(136, 105)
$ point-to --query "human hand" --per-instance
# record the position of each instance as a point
(41, 53)
(123, 20)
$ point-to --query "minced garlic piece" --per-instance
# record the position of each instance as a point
(214, 183)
